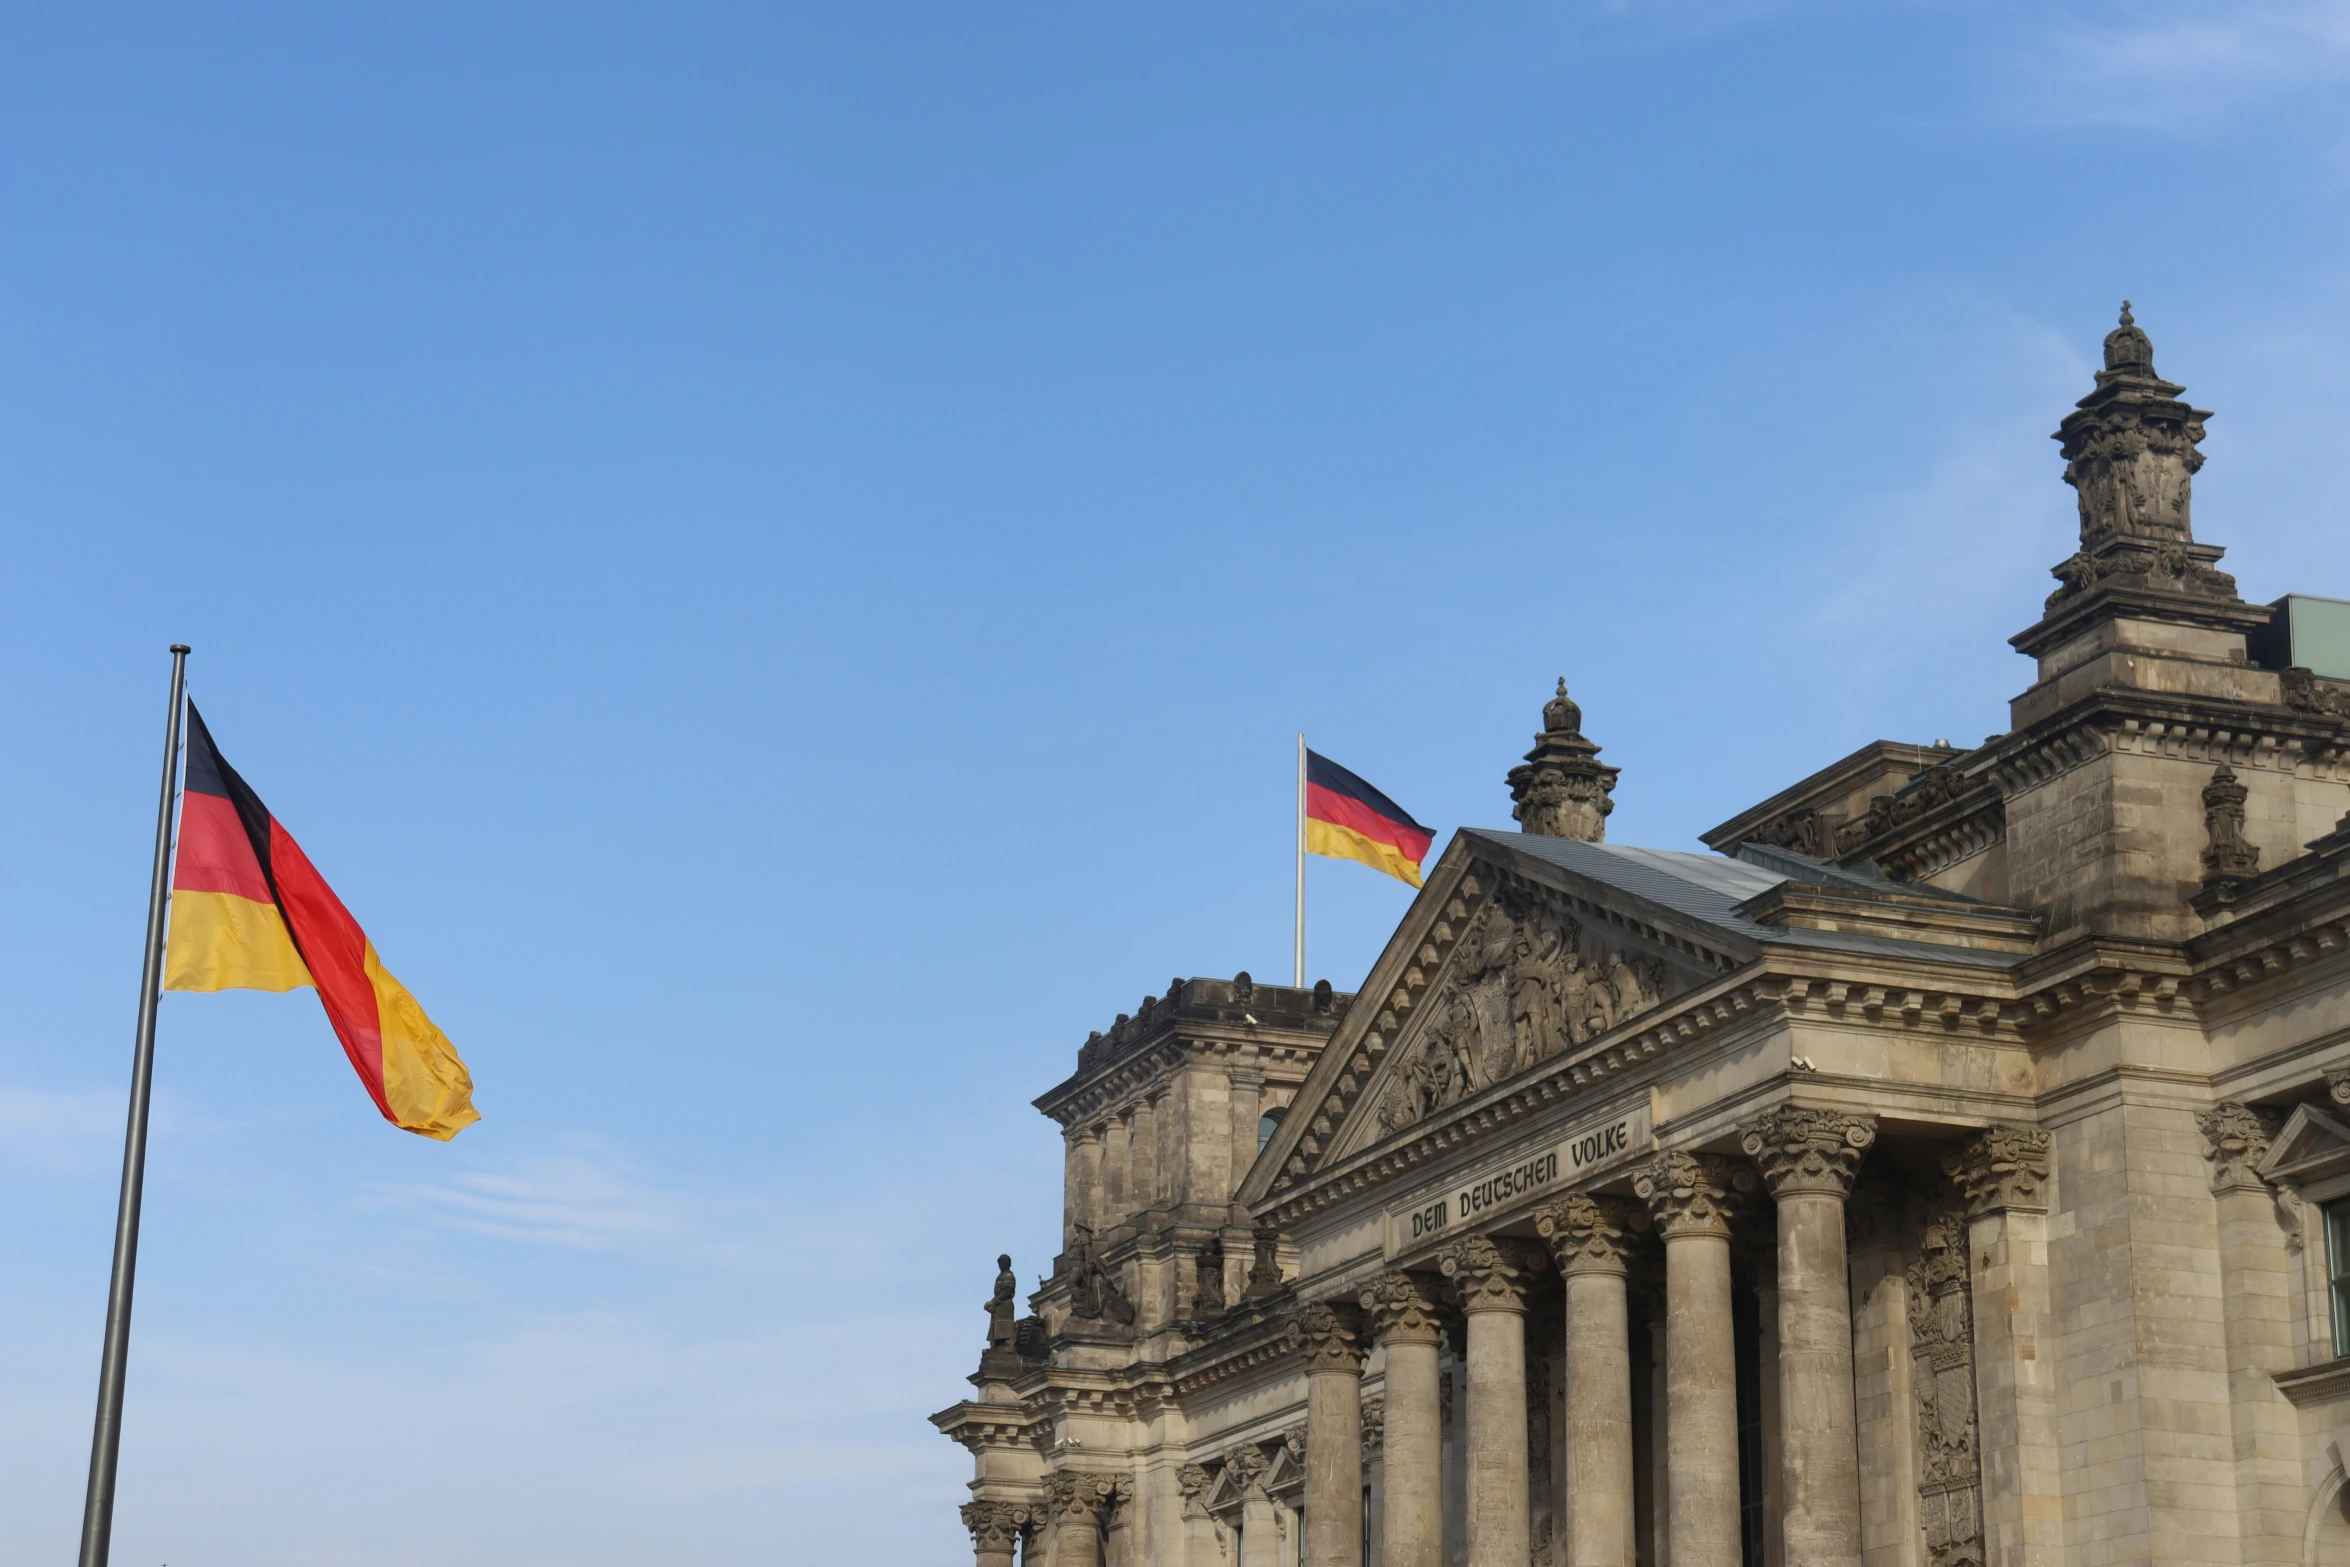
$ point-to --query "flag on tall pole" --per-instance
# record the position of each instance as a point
(250, 912)
(1343, 818)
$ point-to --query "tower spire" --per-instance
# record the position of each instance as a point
(1561, 790)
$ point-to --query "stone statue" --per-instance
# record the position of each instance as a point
(1094, 1294)
(1002, 1312)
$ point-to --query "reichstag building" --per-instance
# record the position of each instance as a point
(1950, 1166)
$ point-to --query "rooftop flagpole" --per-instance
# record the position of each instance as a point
(1299, 979)
(106, 1443)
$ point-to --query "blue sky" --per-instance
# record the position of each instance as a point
(775, 555)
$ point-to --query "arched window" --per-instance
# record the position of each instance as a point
(1268, 1124)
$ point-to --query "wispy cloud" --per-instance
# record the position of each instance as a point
(2170, 65)
(583, 1202)
(59, 1129)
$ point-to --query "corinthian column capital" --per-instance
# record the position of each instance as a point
(2005, 1168)
(1404, 1309)
(1589, 1234)
(1487, 1274)
(2236, 1137)
(1808, 1151)
(996, 1526)
(1329, 1336)
(1692, 1193)
(1074, 1492)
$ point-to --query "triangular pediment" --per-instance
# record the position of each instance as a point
(1508, 959)
(2312, 1144)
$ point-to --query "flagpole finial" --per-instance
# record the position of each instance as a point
(181, 647)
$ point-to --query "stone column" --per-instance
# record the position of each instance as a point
(1117, 1159)
(2255, 1262)
(1690, 1197)
(1142, 1158)
(1079, 1502)
(995, 1528)
(1089, 1178)
(2003, 1175)
(1809, 1159)
(1405, 1317)
(1490, 1278)
(1329, 1335)
(1588, 1237)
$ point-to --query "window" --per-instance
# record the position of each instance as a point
(1267, 1125)
(2338, 1270)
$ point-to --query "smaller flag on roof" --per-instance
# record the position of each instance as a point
(1347, 819)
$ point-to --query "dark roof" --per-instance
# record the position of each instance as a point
(1709, 888)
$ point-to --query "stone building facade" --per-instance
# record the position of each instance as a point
(1949, 1169)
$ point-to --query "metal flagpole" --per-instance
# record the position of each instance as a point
(1300, 977)
(106, 1444)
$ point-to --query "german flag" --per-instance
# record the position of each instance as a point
(1347, 819)
(250, 912)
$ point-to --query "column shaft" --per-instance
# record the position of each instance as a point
(1327, 1332)
(1411, 1516)
(1496, 1374)
(1821, 1456)
(1599, 1422)
(1690, 1194)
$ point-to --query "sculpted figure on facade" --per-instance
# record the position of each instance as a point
(1094, 1293)
(1207, 1290)
(1527, 981)
(2227, 854)
(1942, 1357)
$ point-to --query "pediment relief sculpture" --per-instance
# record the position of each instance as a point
(1528, 982)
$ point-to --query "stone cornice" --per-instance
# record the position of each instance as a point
(1102, 1092)
(2154, 723)
(978, 1425)
(2309, 1386)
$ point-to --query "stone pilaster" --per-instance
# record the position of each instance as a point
(2258, 1268)
(1260, 1537)
(1588, 1239)
(1691, 1197)
(1329, 1336)
(1080, 1504)
(1490, 1279)
(996, 1528)
(1406, 1318)
(1809, 1159)
(2003, 1177)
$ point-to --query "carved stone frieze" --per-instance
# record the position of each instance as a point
(1802, 1150)
(1527, 981)
(1692, 1193)
(1488, 1274)
(1929, 790)
(2004, 1168)
(2227, 854)
(1404, 1308)
(996, 1527)
(2236, 1138)
(2305, 693)
(1942, 1358)
(1590, 1234)
(1329, 1336)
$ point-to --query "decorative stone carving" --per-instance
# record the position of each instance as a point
(1077, 1493)
(1244, 988)
(1194, 1483)
(1264, 1269)
(1803, 1150)
(1561, 790)
(2305, 693)
(1246, 1467)
(1328, 1334)
(1692, 1193)
(1207, 1290)
(2338, 1084)
(1589, 1234)
(1293, 1439)
(1927, 791)
(1374, 1427)
(1805, 830)
(996, 1527)
(2130, 456)
(2227, 854)
(1488, 1274)
(1404, 1307)
(2006, 1167)
(1003, 1327)
(2236, 1138)
(1527, 981)
(1942, 1358)
(1094, 1292)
